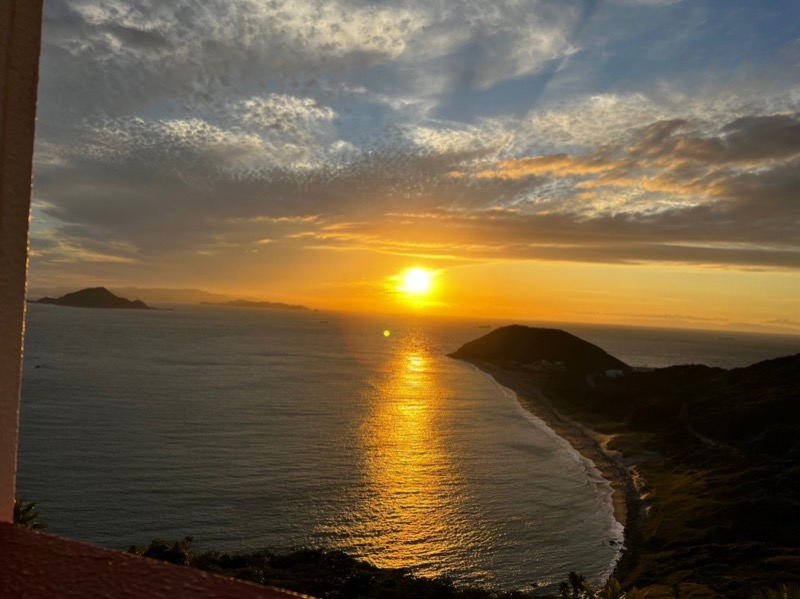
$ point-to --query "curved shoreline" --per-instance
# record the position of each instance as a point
(625, 499)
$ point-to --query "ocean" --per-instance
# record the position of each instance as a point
(252, 429)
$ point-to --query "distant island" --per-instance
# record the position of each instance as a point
(240, 303)
(94, 297)
(704, 462)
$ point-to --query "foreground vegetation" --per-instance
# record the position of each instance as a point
(336, 575)
(323, 574)
(724, 493)
(26, 514)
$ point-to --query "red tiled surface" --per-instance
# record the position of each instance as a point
(36, 565)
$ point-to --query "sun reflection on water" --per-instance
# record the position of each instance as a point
(410, 511)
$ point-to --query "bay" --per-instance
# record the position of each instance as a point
(255, 429)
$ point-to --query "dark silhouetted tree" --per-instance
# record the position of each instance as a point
(25, 514)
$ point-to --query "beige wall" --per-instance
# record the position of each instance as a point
(20, 33)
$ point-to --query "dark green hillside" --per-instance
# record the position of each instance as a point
(730, 482)
(757, 408)
(719, 456)
(525, 345)
(753, 409)
(318, 573)
(724, 498)
(95, 297)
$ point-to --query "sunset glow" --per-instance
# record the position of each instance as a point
(429, 299)
(416, 282)
(412, 468)
(628, 161)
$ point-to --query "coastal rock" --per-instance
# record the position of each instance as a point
(94, 297)
(536, 347)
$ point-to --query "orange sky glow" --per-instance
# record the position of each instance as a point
(627, 162)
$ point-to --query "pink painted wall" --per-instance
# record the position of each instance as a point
(36, 565)
(20, 38)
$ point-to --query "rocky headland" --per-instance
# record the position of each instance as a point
(704, 462)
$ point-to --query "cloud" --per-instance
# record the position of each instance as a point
(559, 164)
(508, 235)
(115, 58)
(645, 2)
(475, 45)
(751, 139)
(118, 57)
(671, 195)
(172, 129)
(175, 184)
(747, 157)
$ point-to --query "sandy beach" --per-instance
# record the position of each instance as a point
(592, 446)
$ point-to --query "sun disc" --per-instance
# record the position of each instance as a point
(417, 281)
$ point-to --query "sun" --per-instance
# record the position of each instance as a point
(416, 282)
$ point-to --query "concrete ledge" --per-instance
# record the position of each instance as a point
(37, 565)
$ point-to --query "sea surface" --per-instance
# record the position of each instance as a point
(252, 429)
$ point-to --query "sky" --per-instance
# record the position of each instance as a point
(619, 161)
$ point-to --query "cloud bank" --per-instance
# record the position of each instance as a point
(457, 132)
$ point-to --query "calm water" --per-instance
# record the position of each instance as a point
(252, 429)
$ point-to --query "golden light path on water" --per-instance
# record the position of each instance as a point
(297, 433)
(412, 511)
(451, 476)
